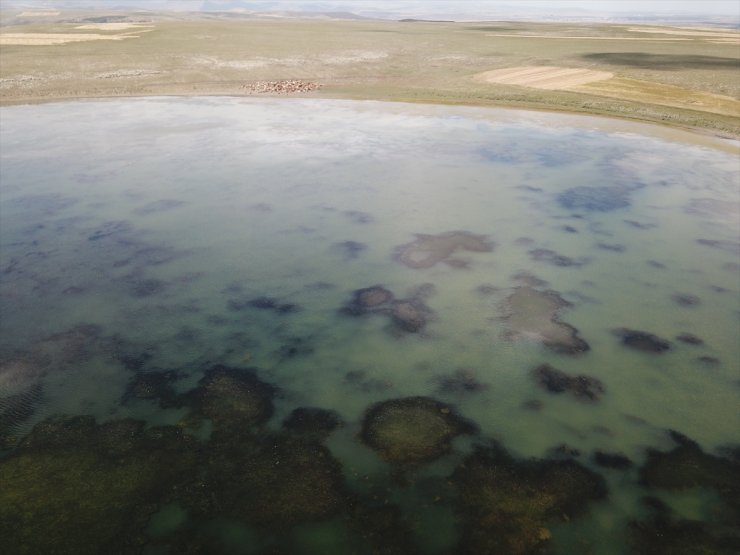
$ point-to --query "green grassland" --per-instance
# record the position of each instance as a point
(682, 80)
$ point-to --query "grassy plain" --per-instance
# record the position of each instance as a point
(686, 77)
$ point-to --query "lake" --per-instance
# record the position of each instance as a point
(313, 326)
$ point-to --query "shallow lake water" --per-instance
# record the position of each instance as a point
(538, 289)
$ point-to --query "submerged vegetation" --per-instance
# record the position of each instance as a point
(260, 368)
(74, 486)
(642, 340)
(594, 199)
(507, 504)
(428, 250)
(409, 315)
(531, 314)
(413, 430)
(234, 399)
(687, 467)
(556, 381)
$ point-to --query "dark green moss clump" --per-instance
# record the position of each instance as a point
(687, 466)
(153, 386)
(312, 422)
(275, 482)
(665, 533)
(612, 460)
(233, 398)
(506, 504)
(73, 486)
(412, 430)
(383, 529)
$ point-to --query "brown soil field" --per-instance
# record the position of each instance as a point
(680, 76)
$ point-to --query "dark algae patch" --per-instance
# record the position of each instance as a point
(732, 247)
(312, 421)
(154, 385)
(506, 505)
(642, 340)
(368, 298)
(273, 482)
(616, 461)
(408, 315)
(351, 249)
(688, 467)
(689, 339)
(462, 380)
(234, 399)
(594, 199)
(685, 299)
(263, 303)
(586, 388)
(669, 534)
(556, 259)
(412, 430)
(74, 486)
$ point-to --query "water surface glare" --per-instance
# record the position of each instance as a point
(545, 297)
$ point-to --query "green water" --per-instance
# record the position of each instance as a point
(158, 220)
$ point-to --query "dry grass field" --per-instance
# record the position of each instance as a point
(686, 77)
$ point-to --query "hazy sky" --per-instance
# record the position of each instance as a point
(418, 8)
(638, 6)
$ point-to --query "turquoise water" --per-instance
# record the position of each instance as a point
(136, 235)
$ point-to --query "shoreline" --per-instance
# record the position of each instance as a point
(612, 122)
(665, 124)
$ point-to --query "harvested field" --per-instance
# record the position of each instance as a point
(709, 35)
(112, 26)
(39, 14)
(571, 37)
(544, 77)
(51, 39)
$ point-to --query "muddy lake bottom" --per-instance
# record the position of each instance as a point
(312, 326)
